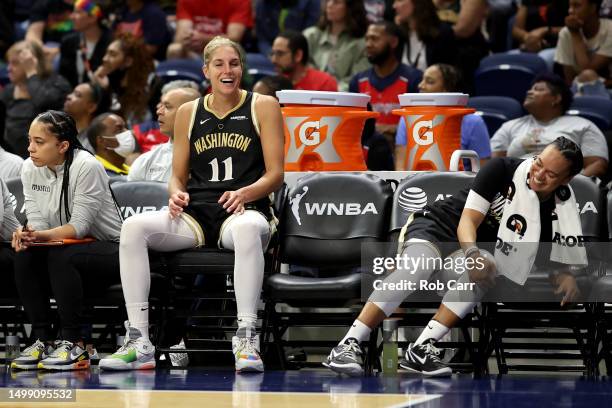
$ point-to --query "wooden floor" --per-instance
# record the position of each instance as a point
(227, 399)
(202, 387)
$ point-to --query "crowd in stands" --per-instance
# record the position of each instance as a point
(107, 51)
(95, 61)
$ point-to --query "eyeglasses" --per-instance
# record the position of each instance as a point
(277, 53)
(548, 173)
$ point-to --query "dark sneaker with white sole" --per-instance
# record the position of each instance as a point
(424, 359)
(346, 358)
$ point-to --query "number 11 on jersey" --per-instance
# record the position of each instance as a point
(227, 163)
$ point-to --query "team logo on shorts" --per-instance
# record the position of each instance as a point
(412, 199)
(517, 223)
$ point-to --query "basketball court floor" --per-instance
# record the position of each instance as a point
(210, 388)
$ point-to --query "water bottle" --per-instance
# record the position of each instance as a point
(390, 346)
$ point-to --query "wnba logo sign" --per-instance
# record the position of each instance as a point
(312, 134)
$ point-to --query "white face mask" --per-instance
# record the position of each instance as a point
(127, 143)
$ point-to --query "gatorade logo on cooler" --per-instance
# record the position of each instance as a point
(312, 134)
(422, 132)
(421, 128)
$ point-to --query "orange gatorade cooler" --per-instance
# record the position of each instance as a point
(433, 126)
(323, 130)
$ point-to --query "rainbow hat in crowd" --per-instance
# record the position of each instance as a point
(89, 6)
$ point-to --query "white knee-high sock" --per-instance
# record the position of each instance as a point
(138, 316)
(434, 330)
(359, 331)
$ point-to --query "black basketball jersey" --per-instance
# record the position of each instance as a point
(225, 153)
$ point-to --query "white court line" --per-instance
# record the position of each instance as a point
(425, 398)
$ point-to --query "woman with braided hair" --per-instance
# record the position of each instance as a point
(67, 196)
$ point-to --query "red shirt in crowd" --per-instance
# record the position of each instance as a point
(211, 17)
(315, 80)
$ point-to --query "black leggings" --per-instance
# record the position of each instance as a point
(63, 273)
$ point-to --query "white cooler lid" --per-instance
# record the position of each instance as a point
(433, 99)
(323, 98)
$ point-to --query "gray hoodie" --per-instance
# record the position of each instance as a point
(93, 211)
(8, 221)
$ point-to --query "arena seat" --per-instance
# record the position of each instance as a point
(328, 219)
(259, 66)
(602, 294)
(508, 75)
(495, 110)
(594, 108)
(172, 69)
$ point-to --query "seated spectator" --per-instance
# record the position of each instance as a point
(83, 104)
(112, 143)
(269, 85)
(546, 102)
(274, 16)
(466, 18)
(124, 74)
(198, 21)
(336, 43)
(10, 165)
(146, 20)
(147, 133)
(33, 89)
(81, 52)
(156, 164)
(48, 23)
(377, 150)
(474, 133)
(428, 40)
(537, 26)
(290, 58)
(585, 43)
(387, 78)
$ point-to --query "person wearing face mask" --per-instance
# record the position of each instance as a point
(67, 197)
(113, 143)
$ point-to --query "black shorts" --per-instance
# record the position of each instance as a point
(211, 216)
(444, 237)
